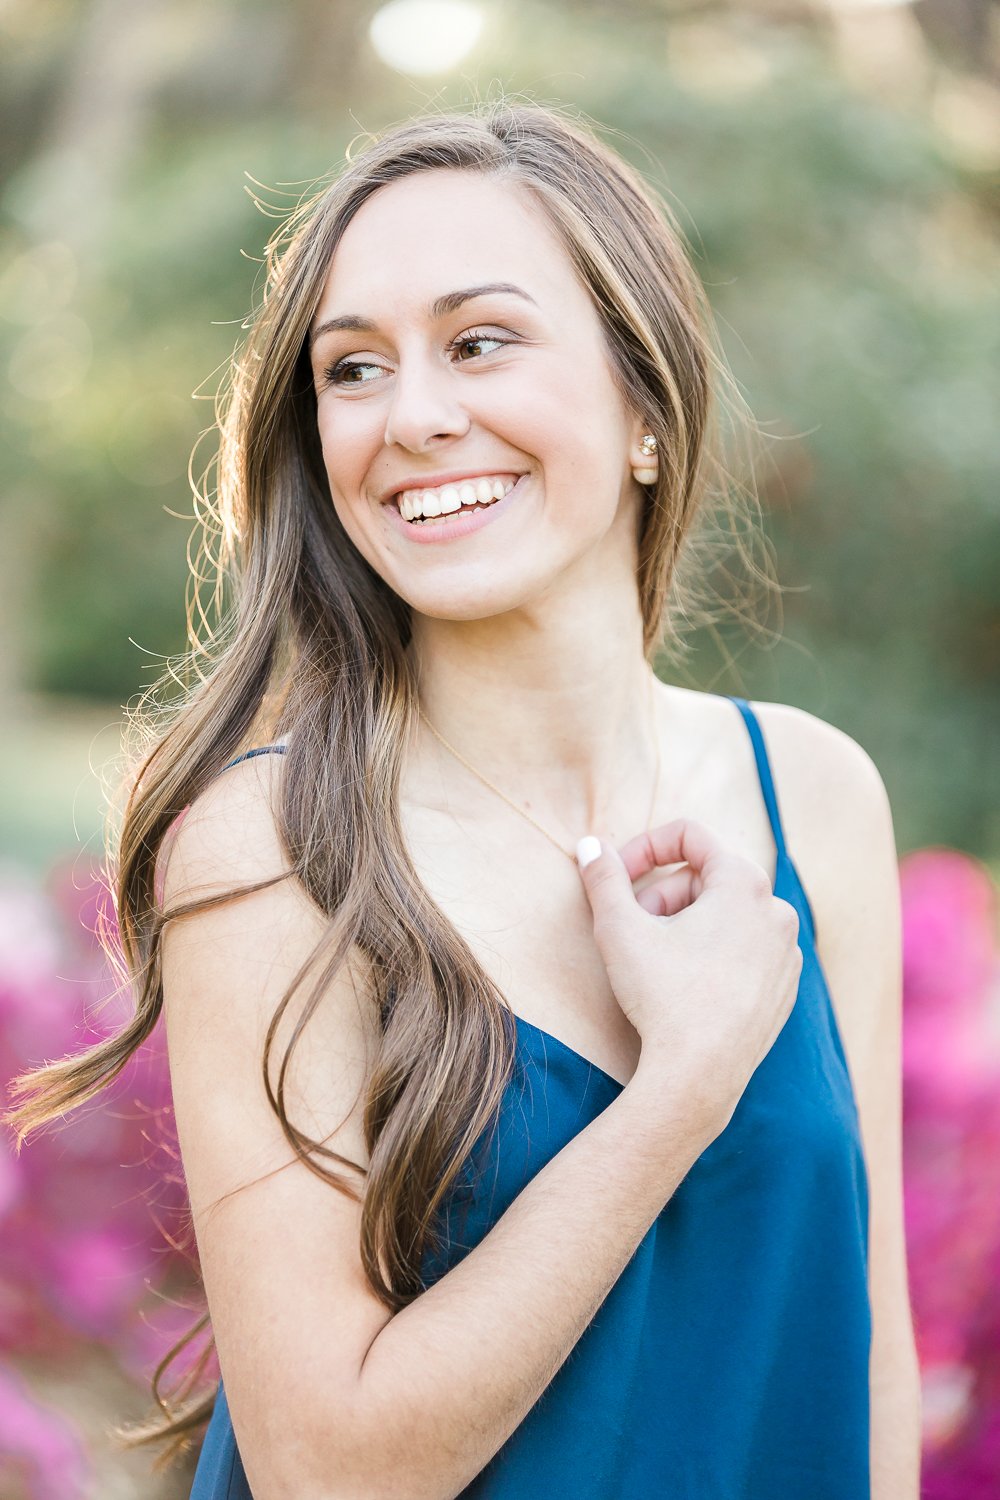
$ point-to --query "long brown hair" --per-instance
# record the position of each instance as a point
(311, 643)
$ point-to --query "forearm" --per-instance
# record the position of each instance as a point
(896, 1427)
(449, 1378)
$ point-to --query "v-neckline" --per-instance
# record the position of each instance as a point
(781, 858)
(523, 1024)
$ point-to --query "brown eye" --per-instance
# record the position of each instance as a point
(476, 341)
(332, 374)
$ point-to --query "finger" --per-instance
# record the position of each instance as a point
(605, 879)
(666, 897)
(681, 841)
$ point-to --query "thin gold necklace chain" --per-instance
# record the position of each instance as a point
(511, 803)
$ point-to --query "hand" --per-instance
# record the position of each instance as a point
(704, 960)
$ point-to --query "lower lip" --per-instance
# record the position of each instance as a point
(460, 524)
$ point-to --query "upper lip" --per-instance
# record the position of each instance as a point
(434, 481)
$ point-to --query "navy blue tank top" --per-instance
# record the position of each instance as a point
(729, 1361)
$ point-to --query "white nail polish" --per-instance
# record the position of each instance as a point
(587, 849)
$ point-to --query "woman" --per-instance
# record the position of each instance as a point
(513, 1160)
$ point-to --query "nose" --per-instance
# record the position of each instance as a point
(425, 406)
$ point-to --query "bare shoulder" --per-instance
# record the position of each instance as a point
(229, 832)
(839, 831)
(226, 967)
(830, 791)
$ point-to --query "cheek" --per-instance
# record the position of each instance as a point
(357, 525)
(342, 472)
(350, 434)
(576, 433)
(335, 446)
(346, 459)
(573, 409)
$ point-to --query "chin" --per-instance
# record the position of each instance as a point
(468, 603)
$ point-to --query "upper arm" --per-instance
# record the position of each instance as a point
(291, 1310)
(839, 829)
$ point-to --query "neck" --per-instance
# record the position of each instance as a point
(559, 719)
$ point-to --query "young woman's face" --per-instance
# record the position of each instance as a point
(433, 386)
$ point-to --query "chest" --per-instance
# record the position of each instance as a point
(794, 1138)
(521, 907)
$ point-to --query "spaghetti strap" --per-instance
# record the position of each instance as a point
(260, 750)
(771, 802)
(764, 772)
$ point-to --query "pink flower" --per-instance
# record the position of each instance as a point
(43, 1446)
(951, 1090)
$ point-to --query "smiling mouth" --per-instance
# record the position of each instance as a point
(425, 507)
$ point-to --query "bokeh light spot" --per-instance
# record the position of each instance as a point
(425, 36)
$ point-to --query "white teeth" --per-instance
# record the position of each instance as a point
(415, 504)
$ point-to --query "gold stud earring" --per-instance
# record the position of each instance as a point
(646, 474)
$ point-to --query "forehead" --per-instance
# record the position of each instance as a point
(431, 231)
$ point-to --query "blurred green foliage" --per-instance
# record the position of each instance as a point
(846, 242)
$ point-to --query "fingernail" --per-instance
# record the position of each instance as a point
(587, 849)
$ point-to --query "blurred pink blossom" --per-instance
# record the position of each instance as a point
(93, 1210)
(951, 1115)
(38, 1447)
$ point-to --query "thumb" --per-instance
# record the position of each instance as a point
(605, 879)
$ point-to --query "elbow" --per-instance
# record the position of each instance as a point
(378, 1479)
(362, 1440)
(376, 1484)
(366, 1459)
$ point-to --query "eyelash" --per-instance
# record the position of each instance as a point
(472, 337)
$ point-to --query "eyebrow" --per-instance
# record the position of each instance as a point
(440, 308)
